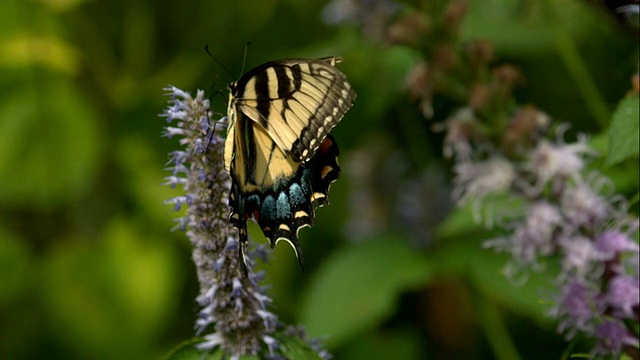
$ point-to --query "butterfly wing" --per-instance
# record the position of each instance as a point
(278, 151)
(298, 102)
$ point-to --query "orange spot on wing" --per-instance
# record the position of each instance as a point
(326, 144)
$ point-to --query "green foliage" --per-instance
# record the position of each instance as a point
(50, 137)
(357, 288)
(187, 350)
(120, 301)
(294, 348)
(289, 346)
(485, 271)
(624, 131)
(382, 345)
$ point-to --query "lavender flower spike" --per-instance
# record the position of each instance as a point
(234, 308)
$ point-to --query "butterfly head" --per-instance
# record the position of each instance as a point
(233, 87)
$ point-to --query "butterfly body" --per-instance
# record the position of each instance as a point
(278, 149)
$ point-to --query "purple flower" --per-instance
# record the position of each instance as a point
(461, 128)
(555, 163)
(583, 207)
(531, 238)
(372, 16)
(537, 234)
(624, 295)
(233, 305)
(576, 308)
(551, 161)
(612, 243)
(475, 181)
(612, 336)
(581, 258)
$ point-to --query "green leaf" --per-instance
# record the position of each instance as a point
(463, 253)
(187, 350)
(357, 288)
(525, 298)
(623, 134)
(294, 348)
(387, 344)
(471, 220)
(458, 222)
(290, 347)
(483, 267)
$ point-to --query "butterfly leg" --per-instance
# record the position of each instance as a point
(239, 222)
(242, 252)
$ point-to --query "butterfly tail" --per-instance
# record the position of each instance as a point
(293, 206)
(290, 206)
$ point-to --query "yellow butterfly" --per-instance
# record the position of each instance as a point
(278, 150)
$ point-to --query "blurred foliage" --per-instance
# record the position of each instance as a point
(88, 266)
(622, 140)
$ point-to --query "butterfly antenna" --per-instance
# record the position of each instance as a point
(244, 60)
(206, 48)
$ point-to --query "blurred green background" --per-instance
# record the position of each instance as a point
(88, 266)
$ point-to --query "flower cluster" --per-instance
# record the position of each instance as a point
(556, 208)
(565, 214)
(517, 176)
(552, 207)
(370, 15)
(235, 306)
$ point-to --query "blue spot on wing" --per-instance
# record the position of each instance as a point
(286, 206)
(305, 180)
(283, 209)
(268, 209)
(253, 202)
(296, 195)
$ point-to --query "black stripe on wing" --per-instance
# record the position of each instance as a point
(265, 95)
(284, 82)
(328, 111)
(281, 211)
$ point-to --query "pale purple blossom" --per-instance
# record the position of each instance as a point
(580, 257)
(233, 306)
(550, 161)
(557, 211)
(555, 163)
(612, 336)
(537, 235)
(623, 296)
(577, 307)
(371, 16)
(531, 238)
(460, 128)
(548, 205)
(583, 207)
(477, 180)
(612, 243)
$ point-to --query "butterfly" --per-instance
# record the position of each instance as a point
(278, 149)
